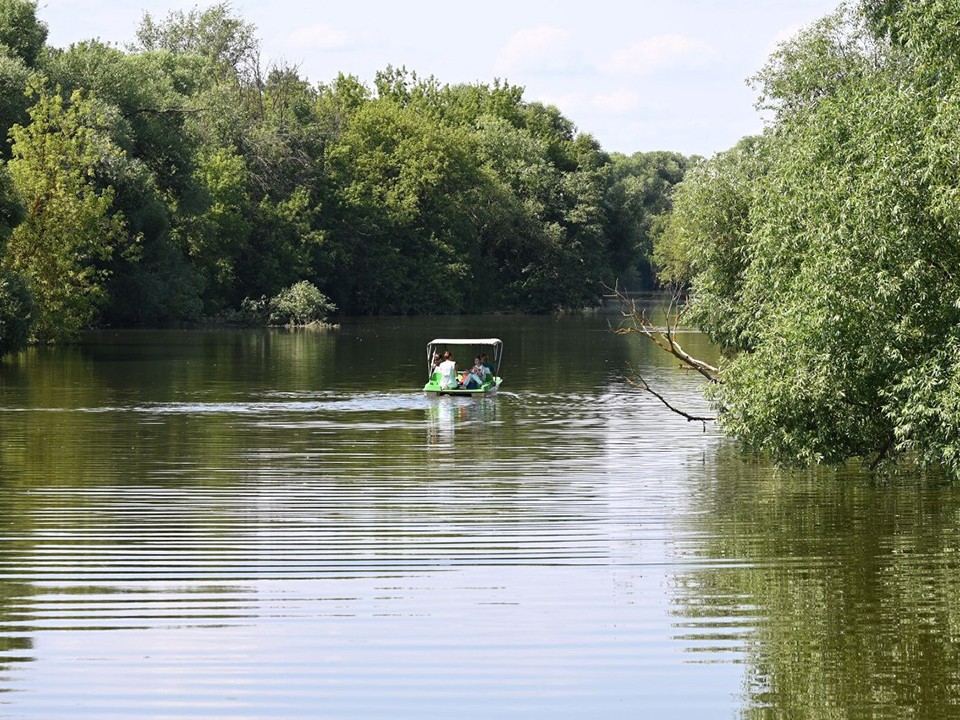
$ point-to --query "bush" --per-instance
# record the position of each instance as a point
(16, 314)
(300, 304)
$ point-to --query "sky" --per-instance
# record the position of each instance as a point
(638, 76)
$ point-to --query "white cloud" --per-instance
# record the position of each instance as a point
(657, 53)
(619, 101)
(566, 102)
(542, 48)
(319, 37)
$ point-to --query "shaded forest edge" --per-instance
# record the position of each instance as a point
(177, 179)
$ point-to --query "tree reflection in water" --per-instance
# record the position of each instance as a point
(842, 593)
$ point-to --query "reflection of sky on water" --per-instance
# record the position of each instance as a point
(449, 415)
(441, 427)
(269, 404)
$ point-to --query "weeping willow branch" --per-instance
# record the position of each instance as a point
(665, 337)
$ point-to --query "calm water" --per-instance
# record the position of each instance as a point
(265, 524)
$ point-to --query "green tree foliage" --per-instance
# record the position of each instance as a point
(214, 33)
(217, 236)
(11, 209)
(22, 38)
(16, 313)
(14, 75)
(403, 182)
(16, 303)
(300, 304)
(639, 192)
(70, 230)
(22, 34)
(238, 181)
(146, 101)
(705, 239)
(824, 255)
(549, 244)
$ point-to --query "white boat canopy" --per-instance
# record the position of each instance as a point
(494, 343)
(466, 341)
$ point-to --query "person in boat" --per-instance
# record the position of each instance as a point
(448, 371)
(436, 362)
(487, 365)
(474, 379)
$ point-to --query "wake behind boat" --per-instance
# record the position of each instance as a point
(477, 374)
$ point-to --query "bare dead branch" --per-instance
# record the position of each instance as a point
(163, 111)
(664, 337)
(638, 381)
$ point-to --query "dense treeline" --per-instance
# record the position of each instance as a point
(178, 178)
(824, 255)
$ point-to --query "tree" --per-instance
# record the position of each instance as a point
(145, 99)
(16, 303)
(551, 249)
(704, 241)
(22, 34)
(400, 238)
(639, 191)
(213, 33)
(826, 264)
(13, 100)
(22, 38)
(70, 231)
(217, 236)
(299, 305)
(237, 181)
(16, 313)
(336, 102)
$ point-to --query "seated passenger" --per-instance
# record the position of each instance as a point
(488, 366)
(475, 377)
(448, 372)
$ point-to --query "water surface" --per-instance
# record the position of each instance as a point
(204, 524)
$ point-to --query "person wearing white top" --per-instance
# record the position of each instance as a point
(448, 372)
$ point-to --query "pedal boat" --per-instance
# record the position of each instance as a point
(468, 347)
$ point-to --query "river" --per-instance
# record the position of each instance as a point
(247, 524)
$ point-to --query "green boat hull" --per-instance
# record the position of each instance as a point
(488, 388)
